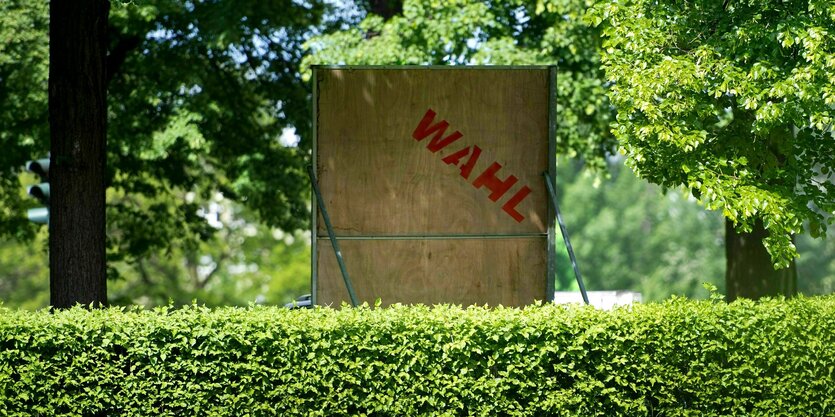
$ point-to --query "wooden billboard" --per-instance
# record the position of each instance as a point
(433, 181)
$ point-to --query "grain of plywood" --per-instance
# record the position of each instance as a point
(507, 272)
(430, 152)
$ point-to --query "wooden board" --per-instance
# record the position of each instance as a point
(377, 179)
(433, 271)
(439, 153)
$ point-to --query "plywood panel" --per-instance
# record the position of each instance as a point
(509, 272)
(377, 179)
(430, 152)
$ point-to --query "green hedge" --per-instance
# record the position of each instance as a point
(679, 358)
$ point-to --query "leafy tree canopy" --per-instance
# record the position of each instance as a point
(199, 96)
(24, 60)
(734, 100)
(497, 32)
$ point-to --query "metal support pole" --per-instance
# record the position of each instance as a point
(564, 232)
(335, 244)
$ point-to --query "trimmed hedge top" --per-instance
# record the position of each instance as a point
(678, 358)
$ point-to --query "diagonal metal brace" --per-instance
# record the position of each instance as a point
(334, 243)
(565, 238)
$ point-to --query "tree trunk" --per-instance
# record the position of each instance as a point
(385, 8)
(78, 131)
(750, 272)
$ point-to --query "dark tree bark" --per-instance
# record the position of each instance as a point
(385, 8)
(78, 131)
(750, 273)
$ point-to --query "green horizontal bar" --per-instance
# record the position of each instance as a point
(442, 237)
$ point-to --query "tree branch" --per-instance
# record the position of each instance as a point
(117, 56)
(385, 8)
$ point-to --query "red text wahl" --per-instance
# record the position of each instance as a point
(465, 159)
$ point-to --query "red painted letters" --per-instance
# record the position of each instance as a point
(510, 206)
(468, 167)
(426, 128)
(498, 187)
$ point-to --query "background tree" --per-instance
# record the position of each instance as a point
(24, 276)
(816, 265)
(243, 262)
(24, 126)
(78, 136)
(629, 235)
(205, 98)
(204, 94)
(733, 100)
(195, 117)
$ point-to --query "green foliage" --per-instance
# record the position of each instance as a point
(24, 276)
(24, 59)
(199, 94)
(239, 262)
(628, 234)
(679, 358)
(199, 106)
(492, 32)
(243, 263)
(734, 100)
(816, 266)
